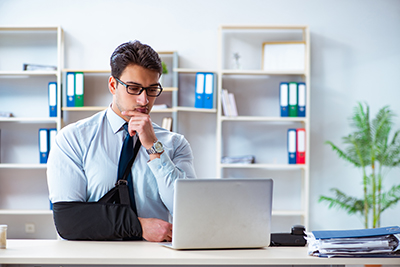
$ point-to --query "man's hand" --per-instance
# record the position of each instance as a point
(156, 230)
(141, 123)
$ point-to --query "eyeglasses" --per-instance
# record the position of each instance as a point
(131, 89)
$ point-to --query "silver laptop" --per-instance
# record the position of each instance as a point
(221, 213)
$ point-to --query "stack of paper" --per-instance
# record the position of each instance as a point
(248, 159)
(377, 242)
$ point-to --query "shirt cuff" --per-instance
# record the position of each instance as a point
(161, 166)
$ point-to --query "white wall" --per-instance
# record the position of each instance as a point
(355, 56)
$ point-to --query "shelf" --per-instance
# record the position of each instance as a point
(89, 108)
(163, 110)
(87, 71)
(194, 71)
(29, 120)
(288, 213)
(265, 166)
(260, 118)
(30, 28)
(22, 166)
(261, 72)
(190, 109)
(263, 27)
(28, 73)
(25, 212)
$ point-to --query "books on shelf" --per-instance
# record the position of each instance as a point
(75, 89)
(36, 67)
(247, 159)
(296, 146)
(204, 90)
(292, 97)
(167, 123)
(228, 103)
(374, 242)
(46, 141)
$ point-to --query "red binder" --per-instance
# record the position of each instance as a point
(301, 146)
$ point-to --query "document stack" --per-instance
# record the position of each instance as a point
(376, 242)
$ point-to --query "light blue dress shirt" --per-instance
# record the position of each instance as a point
(83, 165)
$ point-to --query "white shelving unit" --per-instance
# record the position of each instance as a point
(247, 41)
(25, 95)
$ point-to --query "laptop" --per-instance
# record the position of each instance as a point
(221, 213)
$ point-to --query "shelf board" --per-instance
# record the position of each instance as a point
(261, 118)
(170, 89)
(22, 166)
(87, 71)
(263, 27)
(25, 212)
(88, 108)
(265, 166)
(29, 120)
(288, 213)
(192, 109)
(262, 72)
(166, 52)
(163, 110)
(183, 70)
(29, 28)
(28, 73)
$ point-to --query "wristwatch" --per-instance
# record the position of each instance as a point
(156, 148)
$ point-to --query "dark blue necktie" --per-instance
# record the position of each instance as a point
(125, 164)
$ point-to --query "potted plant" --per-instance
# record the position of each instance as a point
(369, 148)
(164, 71)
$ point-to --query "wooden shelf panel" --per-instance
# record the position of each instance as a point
(25, 212)
(29, 120)
(262, 72)
(29, 73)
(22, 166)
(265, 166)
(267, 119)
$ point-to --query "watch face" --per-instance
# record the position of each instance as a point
(158, 147)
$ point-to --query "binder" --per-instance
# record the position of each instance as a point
(283, 98)
(355, 233)
(291, 146)
(301, 146)
(52, 137)
(301, 108)
(209, 90)
(79, 89)
(225, 102)
(232, 103)
(43, 145)
(199, 90)
(292, 99)
(70, 89)
(52, 99)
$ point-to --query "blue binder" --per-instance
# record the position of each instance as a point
(301, 94)
(70, 89)
(52, 99)
(52, 138)
(43, 145)
(209, 88)
(357, 232)
(284, 98)
(291, 145)
(199, 90)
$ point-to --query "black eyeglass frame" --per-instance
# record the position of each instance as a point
(141, 90)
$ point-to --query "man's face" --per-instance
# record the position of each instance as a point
(133, 75)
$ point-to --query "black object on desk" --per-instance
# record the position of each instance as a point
(295, 238)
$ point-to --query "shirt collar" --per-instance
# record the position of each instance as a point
(115, 121)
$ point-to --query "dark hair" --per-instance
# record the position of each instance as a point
(134, 53)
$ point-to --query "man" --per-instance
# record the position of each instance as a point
(83, 163)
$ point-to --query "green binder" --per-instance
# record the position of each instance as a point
(79, 89)
(293, 99)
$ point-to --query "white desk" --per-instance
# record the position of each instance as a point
(146, 253)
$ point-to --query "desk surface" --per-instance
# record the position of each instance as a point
(145, 253)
